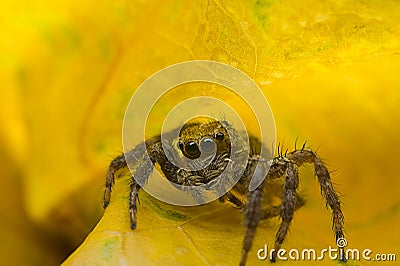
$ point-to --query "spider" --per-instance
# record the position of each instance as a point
(211, 135)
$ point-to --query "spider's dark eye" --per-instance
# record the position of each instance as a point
(207, 145)
(180, 145)
(219, 136)
(192, 150)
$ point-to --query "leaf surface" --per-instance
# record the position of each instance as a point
(68, 69)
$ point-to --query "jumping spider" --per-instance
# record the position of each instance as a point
(204, 136)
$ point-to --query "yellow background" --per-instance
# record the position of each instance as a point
(67, 70)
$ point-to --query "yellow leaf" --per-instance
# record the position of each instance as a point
(70, 68)
(319, 109)
(337, 108)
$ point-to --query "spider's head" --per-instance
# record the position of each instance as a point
(204, 135)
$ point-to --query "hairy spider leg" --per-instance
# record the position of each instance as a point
(139, 157)
(115, 165)
(253, 216)
(288, 166)
(327, 189)
(287, 209)
(142, 173)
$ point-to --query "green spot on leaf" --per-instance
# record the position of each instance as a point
(108, 248)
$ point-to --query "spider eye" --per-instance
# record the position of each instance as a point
(180, 145)
(192, 150)
(219, 136)
(207, 145)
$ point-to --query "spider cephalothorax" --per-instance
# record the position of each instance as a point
(207, 145)
(210, 141)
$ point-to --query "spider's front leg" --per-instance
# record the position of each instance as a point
(327, 190)
(116, 164)
(144, 162)
(142, 173)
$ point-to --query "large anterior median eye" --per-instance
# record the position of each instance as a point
(207, 145)
(192, 150)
